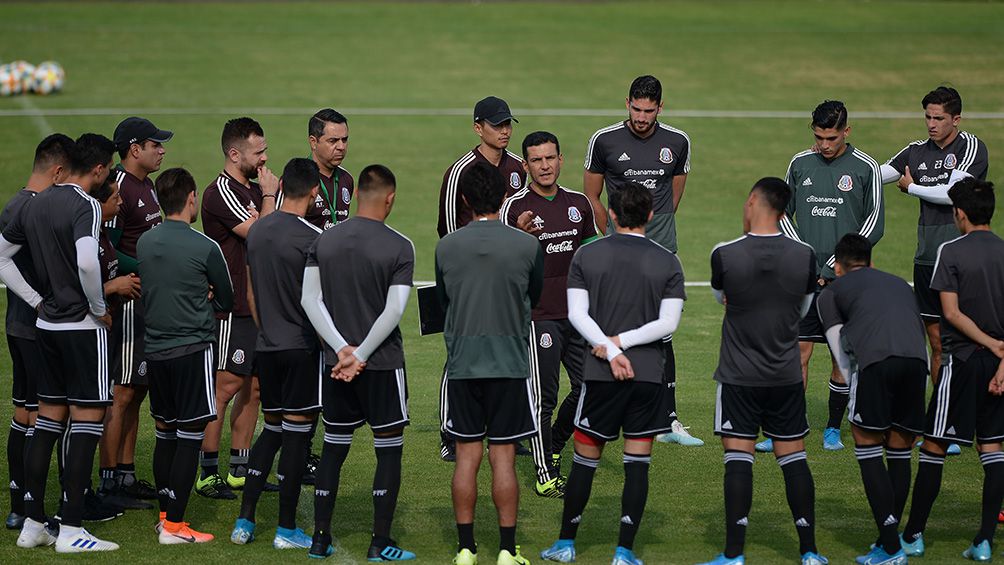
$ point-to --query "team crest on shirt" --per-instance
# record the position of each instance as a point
(845, 183)
(574, 214)
(950, 161)
(514, 180)
(346, 195)
(545, 340)
(238, 357)
(665, 155)
(141, 369)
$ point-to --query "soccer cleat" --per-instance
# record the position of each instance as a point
(831, 439)
(722, 560)
(679, 434)
(34, 534)
(158, 526)
(465, 557)
(812, 558)
(915, 549)
(506, 558)
(140, 490)
(448, 452)
(235, 482)
(310, 469)
(390, 552)
(119, 497)
(624, 556)
(98, 510)
(286, 538)
(555, 488)
(563, 551)
(14, 521)
(79, 540)
(180, 532)
(979, 552)
(522, 450)
(320, 546)
(953, 449)
(213, 486)
(243, 532)
(765, 446)
(878, 556)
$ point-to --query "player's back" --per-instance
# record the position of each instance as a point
(973, 267)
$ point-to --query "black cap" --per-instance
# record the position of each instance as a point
(493, 110)
(137, 130)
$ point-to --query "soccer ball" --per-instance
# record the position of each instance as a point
(24, 71)
(47, 78)
(10, 81)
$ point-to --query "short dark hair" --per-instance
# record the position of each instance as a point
(631, 204)
(947, 97)
(974, 197)
(104, 192)
(173, 187)
(375, 177)
(299, 176)
(775, 191)
(853, 250)
(125, 150)
(53, 150)
(646, 86)
(830, 114)
(483, 188)
(315, 127)
(238, 130)
(89, 151)
(540, 138)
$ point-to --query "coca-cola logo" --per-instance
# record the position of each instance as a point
(560, 247)
(824, 211)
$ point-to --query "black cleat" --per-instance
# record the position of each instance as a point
(447, 451)
(141, 490)
(321, 546)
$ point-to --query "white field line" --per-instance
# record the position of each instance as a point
(32, 111)
(418, 284)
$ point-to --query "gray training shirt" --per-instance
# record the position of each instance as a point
(627, 277)
(879, 313)
(20, 316)
(765, 280)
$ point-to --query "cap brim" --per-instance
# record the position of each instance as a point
(499, 118)
(161, 136)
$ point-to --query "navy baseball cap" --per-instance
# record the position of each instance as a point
(137, 130)
(493, 110)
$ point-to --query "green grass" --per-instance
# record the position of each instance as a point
(213, 58)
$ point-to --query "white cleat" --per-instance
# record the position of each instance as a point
(33, 534)
(79, 540)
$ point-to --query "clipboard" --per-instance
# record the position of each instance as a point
(431, 312)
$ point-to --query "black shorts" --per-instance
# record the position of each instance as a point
(74, 367)
(500, 409)
(889, 394)
(183, 389)
(811, 327)
(129, 337)
(928, 300)
(236, 337)
(639, 409)
(374, 397)
(961, 404)
(742, 411)
(26, 361)
(290, 381)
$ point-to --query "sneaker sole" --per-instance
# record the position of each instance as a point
(285, 544)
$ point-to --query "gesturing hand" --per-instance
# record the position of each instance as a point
(267, 180)
(905, 181)
(525, 222)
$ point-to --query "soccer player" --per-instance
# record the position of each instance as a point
(141, 150)
(230, 206)
(50, 166)
(493, 125)
(288, 353)
(642, 150)
(969, 277)
(60, 227)
(185, 280)
(835, 189)
(355, 288)
(488, 276)
(328, 135)
(926, 169)
(874, 329)
(625, 295)
(766, 282)
(562, 221)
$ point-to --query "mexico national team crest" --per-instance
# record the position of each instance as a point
(514, 180)
(665, 155)
(142, 369)
(845, 183)
(239, 356)
(574, 214)
(545, 340)
(950, 161)
(346, 195)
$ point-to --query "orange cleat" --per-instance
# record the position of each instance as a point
(180, 532)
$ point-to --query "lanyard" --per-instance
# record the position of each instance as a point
(331, 203)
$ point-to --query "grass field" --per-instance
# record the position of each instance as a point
(406, 75)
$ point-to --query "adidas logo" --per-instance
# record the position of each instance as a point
(951, 430)
(744, 521)
(802, 523)
(922, 167)
(624, 157)
(625, 519)
(28, 497)
(807, 181)
(380, 492)
(584, 422)
(449, 423)
(857, 418)
(890, 520)
(13, 486)
(577, 519)
(139, 203)
(727, 426)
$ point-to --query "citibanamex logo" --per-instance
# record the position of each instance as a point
(824, 211)
(559, 247)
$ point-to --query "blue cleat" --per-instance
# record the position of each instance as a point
(390, 552)
(810, 558)
(320, 546)
(831, 439)
(678, 434)
(953, 449)
(563, 551)
(243, 532)
(915, 549)
(286, 538)
(720, 559)
(765, 446)
(878, 556)
(979, 552)
(624, 556)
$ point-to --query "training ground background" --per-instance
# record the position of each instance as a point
(739, 77)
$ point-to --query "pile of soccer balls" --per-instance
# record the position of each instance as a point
(23, 77)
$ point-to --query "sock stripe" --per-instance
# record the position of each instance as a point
(898, 453)
(274, 428)
(931, 458)
(167, 435)
(839, 388)
(585, 461)
(288, 426)
(396, 441)
(645, 459)
(92, 428)
(18, 427)
(30, 432)
(45, 424)
(992, 458)
(791, 458)
(738, 456)
(191, 436)
(868, 452)
(337, 439)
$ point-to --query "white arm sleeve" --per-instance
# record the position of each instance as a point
(670, 310)
(312, 300)
(89, 271)
(719, 295)
(843, 361)
(578, 315)
(889, 174)
(806, 304)
(12, 277)
(397, 300)
(937, 194)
